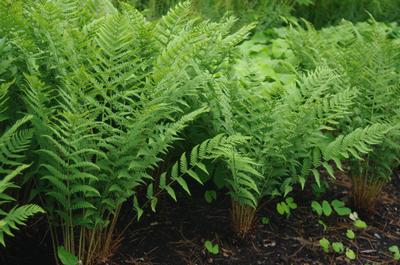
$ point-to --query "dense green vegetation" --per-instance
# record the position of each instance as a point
(103, 105)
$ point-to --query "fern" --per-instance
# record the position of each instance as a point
(210, 149)
(173, 22)
(110, 97)
(16, 217)
(366, 57)
(13, 143)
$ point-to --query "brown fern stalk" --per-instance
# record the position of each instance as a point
(242, 218)
(365, 192)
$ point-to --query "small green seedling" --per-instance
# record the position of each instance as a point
(350, 254)
(265, 220)
(286, 206)
(326, 208)
(350, 234)
(210, 196)
(340, 208)
(316, 207)
(338, 247)
(324, 243)
(211, 248)
(396, 252)
(360, 224)
(357, 222)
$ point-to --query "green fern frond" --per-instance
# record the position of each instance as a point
(17, 217)
(356, 143)
(239, 36)
(172, 23)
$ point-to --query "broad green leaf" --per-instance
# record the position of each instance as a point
(350, 254)
(324, 243)
(350, 234)
(66, 257)
(326, 208)
(338, 247)
(281, 208)
(360, 224)
(316, 207)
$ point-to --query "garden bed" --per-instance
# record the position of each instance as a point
(177, 233)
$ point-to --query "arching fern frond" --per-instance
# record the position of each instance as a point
(356, 143)
(172, 23)
(15, 218)
(12, 143)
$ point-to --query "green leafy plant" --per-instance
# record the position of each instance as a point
(338, 247)
(14, 142)
(367, 57)
(396, 253)
(350, 234)
(350, 254)
(110, 95)
(328, 12)
(211, 248)
(325, 244)
(340, 208)
(357, 222)
(360, 224)
(285, 207)
(18, 215)
(326, 208)
(287, 145)
(66, 258)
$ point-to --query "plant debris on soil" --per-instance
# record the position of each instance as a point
(176, 235)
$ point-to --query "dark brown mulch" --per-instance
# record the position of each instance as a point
(176, 235)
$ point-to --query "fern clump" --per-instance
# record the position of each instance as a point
(366, 55)
(13, 143)
(295, 130)
(110, 94)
